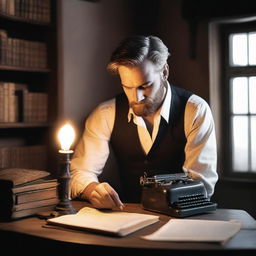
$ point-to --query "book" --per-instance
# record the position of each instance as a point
(32, 211)
(21, 176)
(44, 183)
(35, 195)
(109, 222)
(35, 204)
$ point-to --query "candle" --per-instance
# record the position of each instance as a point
(66, 138)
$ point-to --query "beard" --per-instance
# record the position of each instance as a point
(144, 107)
(149, 105)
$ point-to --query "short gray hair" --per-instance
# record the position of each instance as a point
(135, 49)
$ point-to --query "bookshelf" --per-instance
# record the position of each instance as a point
(28, 83)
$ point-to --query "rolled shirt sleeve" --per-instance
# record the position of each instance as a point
(92, 151)
(201, 148)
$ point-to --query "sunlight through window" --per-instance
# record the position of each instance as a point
(252, 48)
(252, 94)
(239, 95)
(240, 143)
(253, 143)
(239, 52)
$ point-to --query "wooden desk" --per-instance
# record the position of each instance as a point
(28, 235)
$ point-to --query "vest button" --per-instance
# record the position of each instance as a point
(146, 162)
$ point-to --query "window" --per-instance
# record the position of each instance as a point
(239, 98)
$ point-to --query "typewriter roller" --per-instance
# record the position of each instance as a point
(175, 194)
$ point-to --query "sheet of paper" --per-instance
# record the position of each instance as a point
(192, 230)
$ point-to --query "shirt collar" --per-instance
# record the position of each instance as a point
(165, 109)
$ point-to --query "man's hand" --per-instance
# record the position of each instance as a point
(102, 195)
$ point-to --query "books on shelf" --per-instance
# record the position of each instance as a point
(24, 192)
(27, 79)
(16, 52)
(17, 104)
(34, 10)
(35, 107)
(114, 223)
(34, 157)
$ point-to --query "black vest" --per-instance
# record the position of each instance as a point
(166, 155)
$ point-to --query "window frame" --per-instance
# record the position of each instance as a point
(228, 72)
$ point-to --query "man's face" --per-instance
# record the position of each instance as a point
(144, 87)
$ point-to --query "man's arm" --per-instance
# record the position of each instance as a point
(201, 148)
(90, 157)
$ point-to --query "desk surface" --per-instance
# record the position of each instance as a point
(31, 231)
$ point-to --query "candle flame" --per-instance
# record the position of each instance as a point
(66, 136)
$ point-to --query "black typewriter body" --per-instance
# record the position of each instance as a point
(176, 195)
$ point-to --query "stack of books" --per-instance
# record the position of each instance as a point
(26, 192)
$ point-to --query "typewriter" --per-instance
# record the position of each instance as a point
(176, 195)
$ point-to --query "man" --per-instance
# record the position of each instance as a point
(152, 127)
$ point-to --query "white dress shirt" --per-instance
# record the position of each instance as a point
(92, 151)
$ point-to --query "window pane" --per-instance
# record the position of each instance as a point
(253, 143)
(252, 48)
(239, 100)
(239, 51)
(252, 94)
(240, 143)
